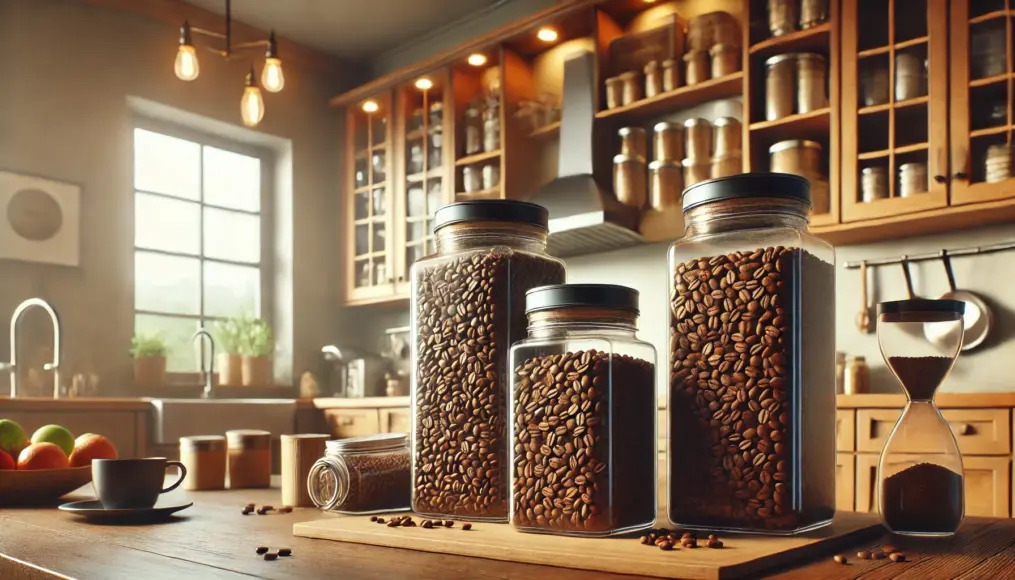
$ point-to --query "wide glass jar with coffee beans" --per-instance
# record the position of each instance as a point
(583, 414)
(752, 360)
(468, 307)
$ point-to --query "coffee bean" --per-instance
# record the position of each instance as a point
(573, 477)
(889, 548)
(840, 559)
(285, 552)
(267, 508)
(863, 555)
(285, 510)
(897, 557)
(262, 511)
(246, 512)
(449, 523)
(665, 546)
(466, 526)
(271, 556)
(373, 518)
(714, 544)
(409, 524)
(379, 520)
(646, 540)
(712, 537)
(469, 309)
(427, 525)
(879, 555)
(261, 549)
(394, 523)
(733, 384)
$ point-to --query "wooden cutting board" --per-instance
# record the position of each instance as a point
(742, 556)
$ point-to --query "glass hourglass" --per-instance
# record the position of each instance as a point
(920, 477)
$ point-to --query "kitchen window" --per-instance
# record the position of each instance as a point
(199, 237)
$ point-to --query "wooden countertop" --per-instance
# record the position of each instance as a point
(213, 540)
(73, 404)
(363, 403)
(943, 400)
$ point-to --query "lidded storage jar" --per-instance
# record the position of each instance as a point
(468, 307)
(583, 404)
(249, 458)
(752, 360)
(362, 475)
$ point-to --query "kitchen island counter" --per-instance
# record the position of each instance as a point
(213, 539)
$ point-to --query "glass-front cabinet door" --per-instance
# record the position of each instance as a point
(424, 129)
(981, 100)
(369, 271)
(894, 107)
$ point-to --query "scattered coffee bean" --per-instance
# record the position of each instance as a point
(840, 559)
(714, 544)
(261, 549)
(469, 310)
(285, 510)
(897, 557)
(373, 518)
(449, 523)
(687, 536)
(863, 555)
(409, 524)
(251, 505)
(271, 556)
(889, 548)
(267, 508)
(427, 524)
(691, 545)
(712, 537)
(569, 423)
(466, 526)
(646, 540)
(666, 546)
(261, 511)
(735, 385)
(394, 523)
(879, 555)
(285, 552)
(380, 520)
(246, 512)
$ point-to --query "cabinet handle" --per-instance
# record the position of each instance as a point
(965, 163)
(961, 175)
(401, 278)
(964, 429)
(940, 179)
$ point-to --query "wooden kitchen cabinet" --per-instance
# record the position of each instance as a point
(981, 95)
(845, 476)
(369, 200)
(866, 492)
(977, 431)
(395, 421)
(881, 130)
(352, 422)
(845, 430)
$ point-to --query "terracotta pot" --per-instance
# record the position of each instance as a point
(257, 371)
(230, 370)
(150, 371)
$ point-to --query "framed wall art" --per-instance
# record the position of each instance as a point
(40, 220)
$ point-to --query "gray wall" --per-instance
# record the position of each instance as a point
(69, 74)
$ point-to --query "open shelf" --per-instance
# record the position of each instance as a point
(912, 102)
(902, 150)
(873, 109)
(991, 16)
(911, 42)
(991, 80)
(677, 99)
(795, 126)
(874, 51)
(485, 194)
(989, 131)
(478, 158)
(432, 174)
(816, 38)
(867, 156)
(548, 131)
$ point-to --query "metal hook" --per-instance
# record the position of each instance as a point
(905, 270)
(948, 270)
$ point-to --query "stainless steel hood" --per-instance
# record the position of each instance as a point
(584, 217)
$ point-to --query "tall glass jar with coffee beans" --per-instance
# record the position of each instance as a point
(583, 414)
(752, 360)
(468, 307)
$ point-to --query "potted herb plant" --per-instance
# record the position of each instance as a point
(256, 347)
(149, 353)
(229, 338)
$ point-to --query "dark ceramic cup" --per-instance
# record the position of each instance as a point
(132, 483)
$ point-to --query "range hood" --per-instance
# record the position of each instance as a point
(584, 217)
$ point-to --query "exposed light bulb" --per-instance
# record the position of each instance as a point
(476, 59)
(252, 103)
(272, 78)
(424, 84)
(546, 34)
(186, 66)
(371, 107)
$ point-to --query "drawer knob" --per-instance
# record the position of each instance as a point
(964, 429)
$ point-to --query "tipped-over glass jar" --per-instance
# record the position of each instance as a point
(920, 476)
(468, 307)
(362, 475)
(583, 414)
(752, 360)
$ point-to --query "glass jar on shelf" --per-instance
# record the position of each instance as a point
(472, 179)
(601, 443)
(362, 475)
(467, 307)
(491, 125)
(752, 360)
(920, 474)
(473, 130)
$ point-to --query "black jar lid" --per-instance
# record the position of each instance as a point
(500, 210)
(747, 186)
(571, 295)
(922, 305)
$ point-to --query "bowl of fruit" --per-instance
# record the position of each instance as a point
(47, 466)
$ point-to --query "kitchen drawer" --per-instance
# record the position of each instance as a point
(395, 421)
(978, 431)
(987, 485)
(845, 481)
(352, 422)
(845, 430)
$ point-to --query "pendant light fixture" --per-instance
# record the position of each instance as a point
(187, 67)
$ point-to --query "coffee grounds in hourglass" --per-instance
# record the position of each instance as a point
(920, 375)
(923, 498)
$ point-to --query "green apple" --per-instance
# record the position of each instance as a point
(12, 437)
(56, 435)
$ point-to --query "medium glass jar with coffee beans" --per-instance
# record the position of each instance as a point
(583, 414)
(752, 360)
(468, 307)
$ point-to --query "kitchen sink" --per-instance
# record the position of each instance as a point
(175, 418)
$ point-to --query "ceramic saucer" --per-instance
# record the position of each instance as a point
(93, 510)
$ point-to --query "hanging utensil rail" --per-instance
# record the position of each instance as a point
(934, 256)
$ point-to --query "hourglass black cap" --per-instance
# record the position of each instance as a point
(571, 295)
(922, 305)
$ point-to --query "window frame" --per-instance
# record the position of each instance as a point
(265, 215)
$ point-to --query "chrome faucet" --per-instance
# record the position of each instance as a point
(54, 366)
(209, 376)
